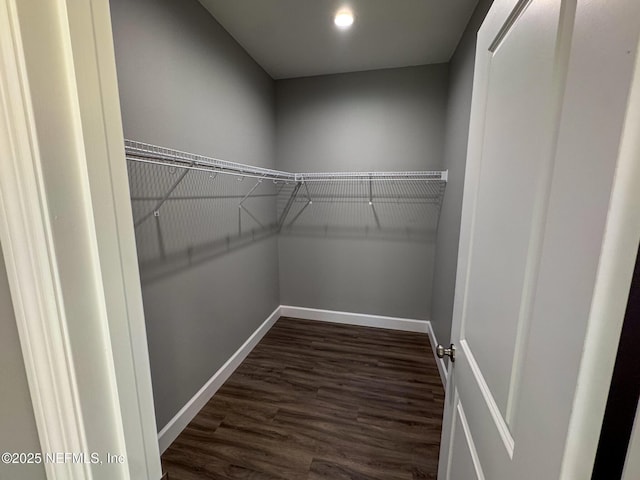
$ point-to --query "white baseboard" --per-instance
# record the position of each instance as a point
(442, 366)
(181, 419)
(361, 319)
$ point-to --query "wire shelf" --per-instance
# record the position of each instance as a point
(185, 212)
(148, 153)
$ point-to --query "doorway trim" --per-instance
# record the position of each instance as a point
(67, 238)
(38, 254)
(609, 300)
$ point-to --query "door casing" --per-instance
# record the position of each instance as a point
(83, 56)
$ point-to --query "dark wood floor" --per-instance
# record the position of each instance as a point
(316, 400)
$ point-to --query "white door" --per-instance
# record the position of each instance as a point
(508, 401)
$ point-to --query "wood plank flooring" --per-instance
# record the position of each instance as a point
(315, 401)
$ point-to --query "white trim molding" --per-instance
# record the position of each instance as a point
(632, 462)
(361, 319)
(113, 232)
(27, 246)
(67, 239)
(609, 301)
(181, 419)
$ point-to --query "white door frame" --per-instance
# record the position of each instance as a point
(78, 237)
(67, 238)
(609, 301)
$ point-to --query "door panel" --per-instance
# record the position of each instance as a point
(551, 85)
(493, 437)
(467, 466)
(520, 65)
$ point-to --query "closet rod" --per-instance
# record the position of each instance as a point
(147, 153)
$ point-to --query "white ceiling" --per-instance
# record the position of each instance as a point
(297, 38)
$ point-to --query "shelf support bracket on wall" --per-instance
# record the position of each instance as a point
(287, 207)
(375, 215)
(250, 192)
(306, 186)
(445, 177)
(241, 207)
(156, 207)
(373, 207)
(309, 202)
(299, 213)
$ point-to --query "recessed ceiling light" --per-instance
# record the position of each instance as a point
(343, 19)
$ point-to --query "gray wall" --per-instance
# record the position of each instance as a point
(457, 132)
(186, 84)
(17, 423)
(378, 120)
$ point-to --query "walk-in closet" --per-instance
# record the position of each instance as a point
(303, 211)
(319, 239)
